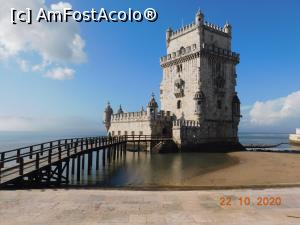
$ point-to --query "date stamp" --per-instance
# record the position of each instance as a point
(244, 201)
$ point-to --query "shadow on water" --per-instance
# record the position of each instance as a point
(155, 170)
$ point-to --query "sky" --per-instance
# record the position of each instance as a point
(59, 77)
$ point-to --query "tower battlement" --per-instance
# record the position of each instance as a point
(192, 26)
(205, 48)
(198, 24)
(130, 116)
(183, 51)
(186, 123)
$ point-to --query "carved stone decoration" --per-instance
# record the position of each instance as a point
(179, 88)
(218, 72)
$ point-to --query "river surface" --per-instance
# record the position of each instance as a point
(146, 170)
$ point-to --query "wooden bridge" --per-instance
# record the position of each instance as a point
(52, 163)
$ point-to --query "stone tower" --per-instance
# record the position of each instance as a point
(199, 81)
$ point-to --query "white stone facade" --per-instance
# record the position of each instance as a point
(199, 80)
(197, 90)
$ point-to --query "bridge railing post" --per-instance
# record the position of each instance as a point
(2, 160)
(59, 150)
(75, 144)
(21, 166)
(81, 144)
(49, 155)
(18, 155)
(31, 150)
(42, 149)
(86, 144)
(68, 152)
(68, 148)
(37, 161)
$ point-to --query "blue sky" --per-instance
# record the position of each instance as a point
(119, 62)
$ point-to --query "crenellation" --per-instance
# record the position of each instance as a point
(186, 123)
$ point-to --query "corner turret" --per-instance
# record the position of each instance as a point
(120, 111)
(199, 18)
(168, 36)
(152, 106)
(228, 28)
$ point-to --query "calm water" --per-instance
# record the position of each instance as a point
(141, 169)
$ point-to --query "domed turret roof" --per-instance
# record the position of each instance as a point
(236, 99)
(199, 95)
(120, 110)
(152, 103)
(108, 108)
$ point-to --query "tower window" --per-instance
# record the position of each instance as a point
(179, 104)
(219, 103)
(179, 68)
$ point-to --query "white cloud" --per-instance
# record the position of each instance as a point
(24, 65)
(60, 6)
(54, 43)
(282, 111)
(60, 74)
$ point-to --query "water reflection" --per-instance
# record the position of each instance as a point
(142, 169)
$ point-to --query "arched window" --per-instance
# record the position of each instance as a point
(179, 104)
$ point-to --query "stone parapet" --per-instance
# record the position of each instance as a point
(186, 123)
(180, 53)
(183, 30)
(194, 50)
(225, 53)
(192, 26)
(129, 116)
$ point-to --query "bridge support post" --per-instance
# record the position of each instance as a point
(59, 173)
(83, 161)
(114, 152)
(73, 166)
(103, 157)
(67, 171)
(90, 159)
(109, 154)
(121, 150)
(78, 168)
(97, 160)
